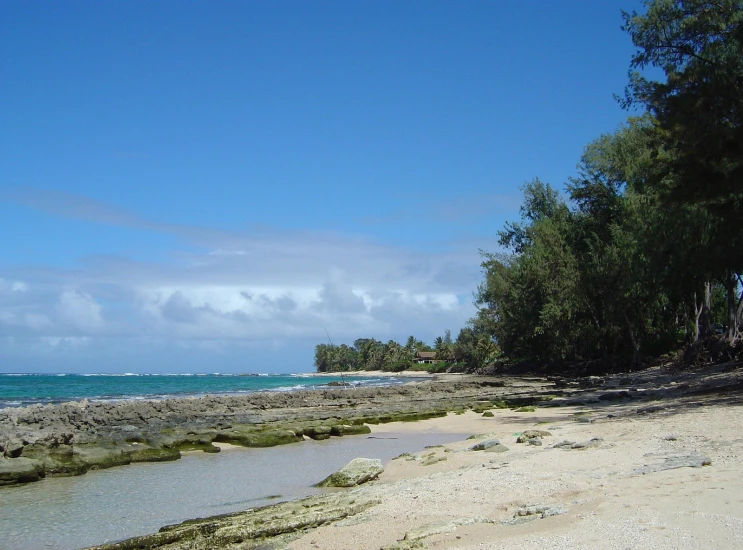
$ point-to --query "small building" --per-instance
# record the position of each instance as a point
(423, 357)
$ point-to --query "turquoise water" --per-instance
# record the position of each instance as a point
(26, 389)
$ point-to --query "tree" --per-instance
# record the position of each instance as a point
(698, 44)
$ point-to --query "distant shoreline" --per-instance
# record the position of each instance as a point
(381, 373)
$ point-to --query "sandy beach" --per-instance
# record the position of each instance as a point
(612, 493)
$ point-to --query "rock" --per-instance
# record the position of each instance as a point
(532, 434)
(532, 512)
(693, 460)
(406, 456)
(540, 510)
(487, 414)
(651, 409)
(480, 436)
(412, 539)
(534, 441)
(614, 395)
(319, 432)
(58, 459)
(356, 472)
(20, 470)
(431, 460)
(430, 530)
(486, 445)
(13, 447)
(271, 526)
(349, 429)
(595, 442)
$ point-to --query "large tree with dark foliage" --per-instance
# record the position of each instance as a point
(698, 106)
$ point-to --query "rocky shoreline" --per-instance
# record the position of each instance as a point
(592, 445)
(73, 438)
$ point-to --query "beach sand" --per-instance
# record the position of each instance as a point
(613, 493)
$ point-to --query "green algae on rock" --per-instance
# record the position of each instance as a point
(267, 527)
(20, 470)
(356, 472)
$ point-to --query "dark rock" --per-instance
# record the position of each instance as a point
(614, 395)
(650, 410)
(13, 447)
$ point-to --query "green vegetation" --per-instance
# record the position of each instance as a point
(466, 354)
(644, 253)
(643, 250)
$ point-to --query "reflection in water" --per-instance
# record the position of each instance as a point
(109, 505)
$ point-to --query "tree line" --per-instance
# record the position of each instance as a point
(466, 353)
(642, 249)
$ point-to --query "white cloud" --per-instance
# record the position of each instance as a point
(267, 290)
(80, 310)
(12, 286)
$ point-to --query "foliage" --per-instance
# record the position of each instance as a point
(698, 44)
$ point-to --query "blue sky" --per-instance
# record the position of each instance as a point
(201, 187)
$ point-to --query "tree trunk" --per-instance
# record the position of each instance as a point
(697, 315)
(739, 309)
(707, 328)
(636, 355)
(732, 302)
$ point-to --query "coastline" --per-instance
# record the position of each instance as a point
(649, 463)
(384, 373)
(644, 421)
(74, 437)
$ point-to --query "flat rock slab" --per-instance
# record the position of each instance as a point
(356, 472)
(260, 528)
(591, 443)
(490, 446)
(693, 460)
(20, 470)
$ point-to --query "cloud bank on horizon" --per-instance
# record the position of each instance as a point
(264, 288)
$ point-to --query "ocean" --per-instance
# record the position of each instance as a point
(18, 390)
(108, 505)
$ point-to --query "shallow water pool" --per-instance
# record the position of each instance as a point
(110, 505)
